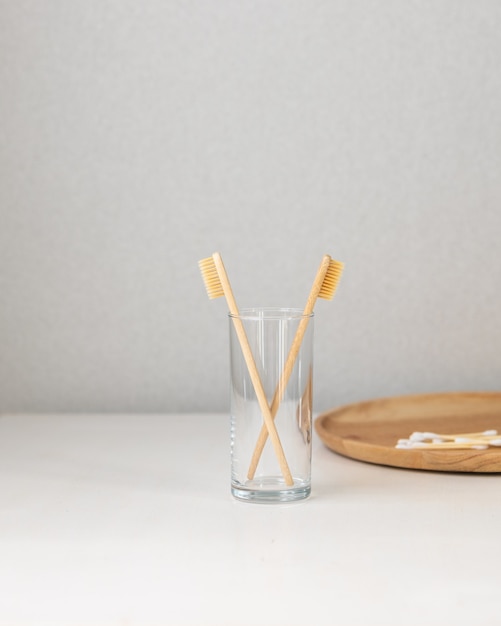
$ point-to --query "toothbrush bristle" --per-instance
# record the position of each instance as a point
(331, 280)
(211, 278)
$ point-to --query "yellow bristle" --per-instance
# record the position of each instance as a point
(331, 280)
(211, 278)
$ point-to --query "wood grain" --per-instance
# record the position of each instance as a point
(368, 431)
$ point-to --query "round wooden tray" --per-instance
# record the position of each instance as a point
(368, 431)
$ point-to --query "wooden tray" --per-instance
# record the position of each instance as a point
(368, 431)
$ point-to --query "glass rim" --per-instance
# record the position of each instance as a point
(270, 313)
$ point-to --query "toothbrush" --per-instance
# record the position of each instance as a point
(324, 286)
(217, 285)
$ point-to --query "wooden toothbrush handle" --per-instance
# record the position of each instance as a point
(269, 426)
(277, 397)
(291, 359)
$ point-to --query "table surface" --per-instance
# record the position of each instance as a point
(128, 520)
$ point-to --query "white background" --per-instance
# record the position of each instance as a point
(137, 138)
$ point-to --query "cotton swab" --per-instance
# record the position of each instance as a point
(430, 440)
(419, 436)
(452, 445)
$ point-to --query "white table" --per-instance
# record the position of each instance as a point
(128, 520)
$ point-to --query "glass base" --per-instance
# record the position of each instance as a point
(270, 490)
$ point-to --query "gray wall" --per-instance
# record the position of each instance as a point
(139, 137)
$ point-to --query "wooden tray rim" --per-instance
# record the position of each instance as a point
(475, 461)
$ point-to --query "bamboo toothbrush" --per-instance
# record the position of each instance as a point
(324, 286)
(217, 285)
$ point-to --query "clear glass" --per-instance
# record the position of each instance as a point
(270, 334)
